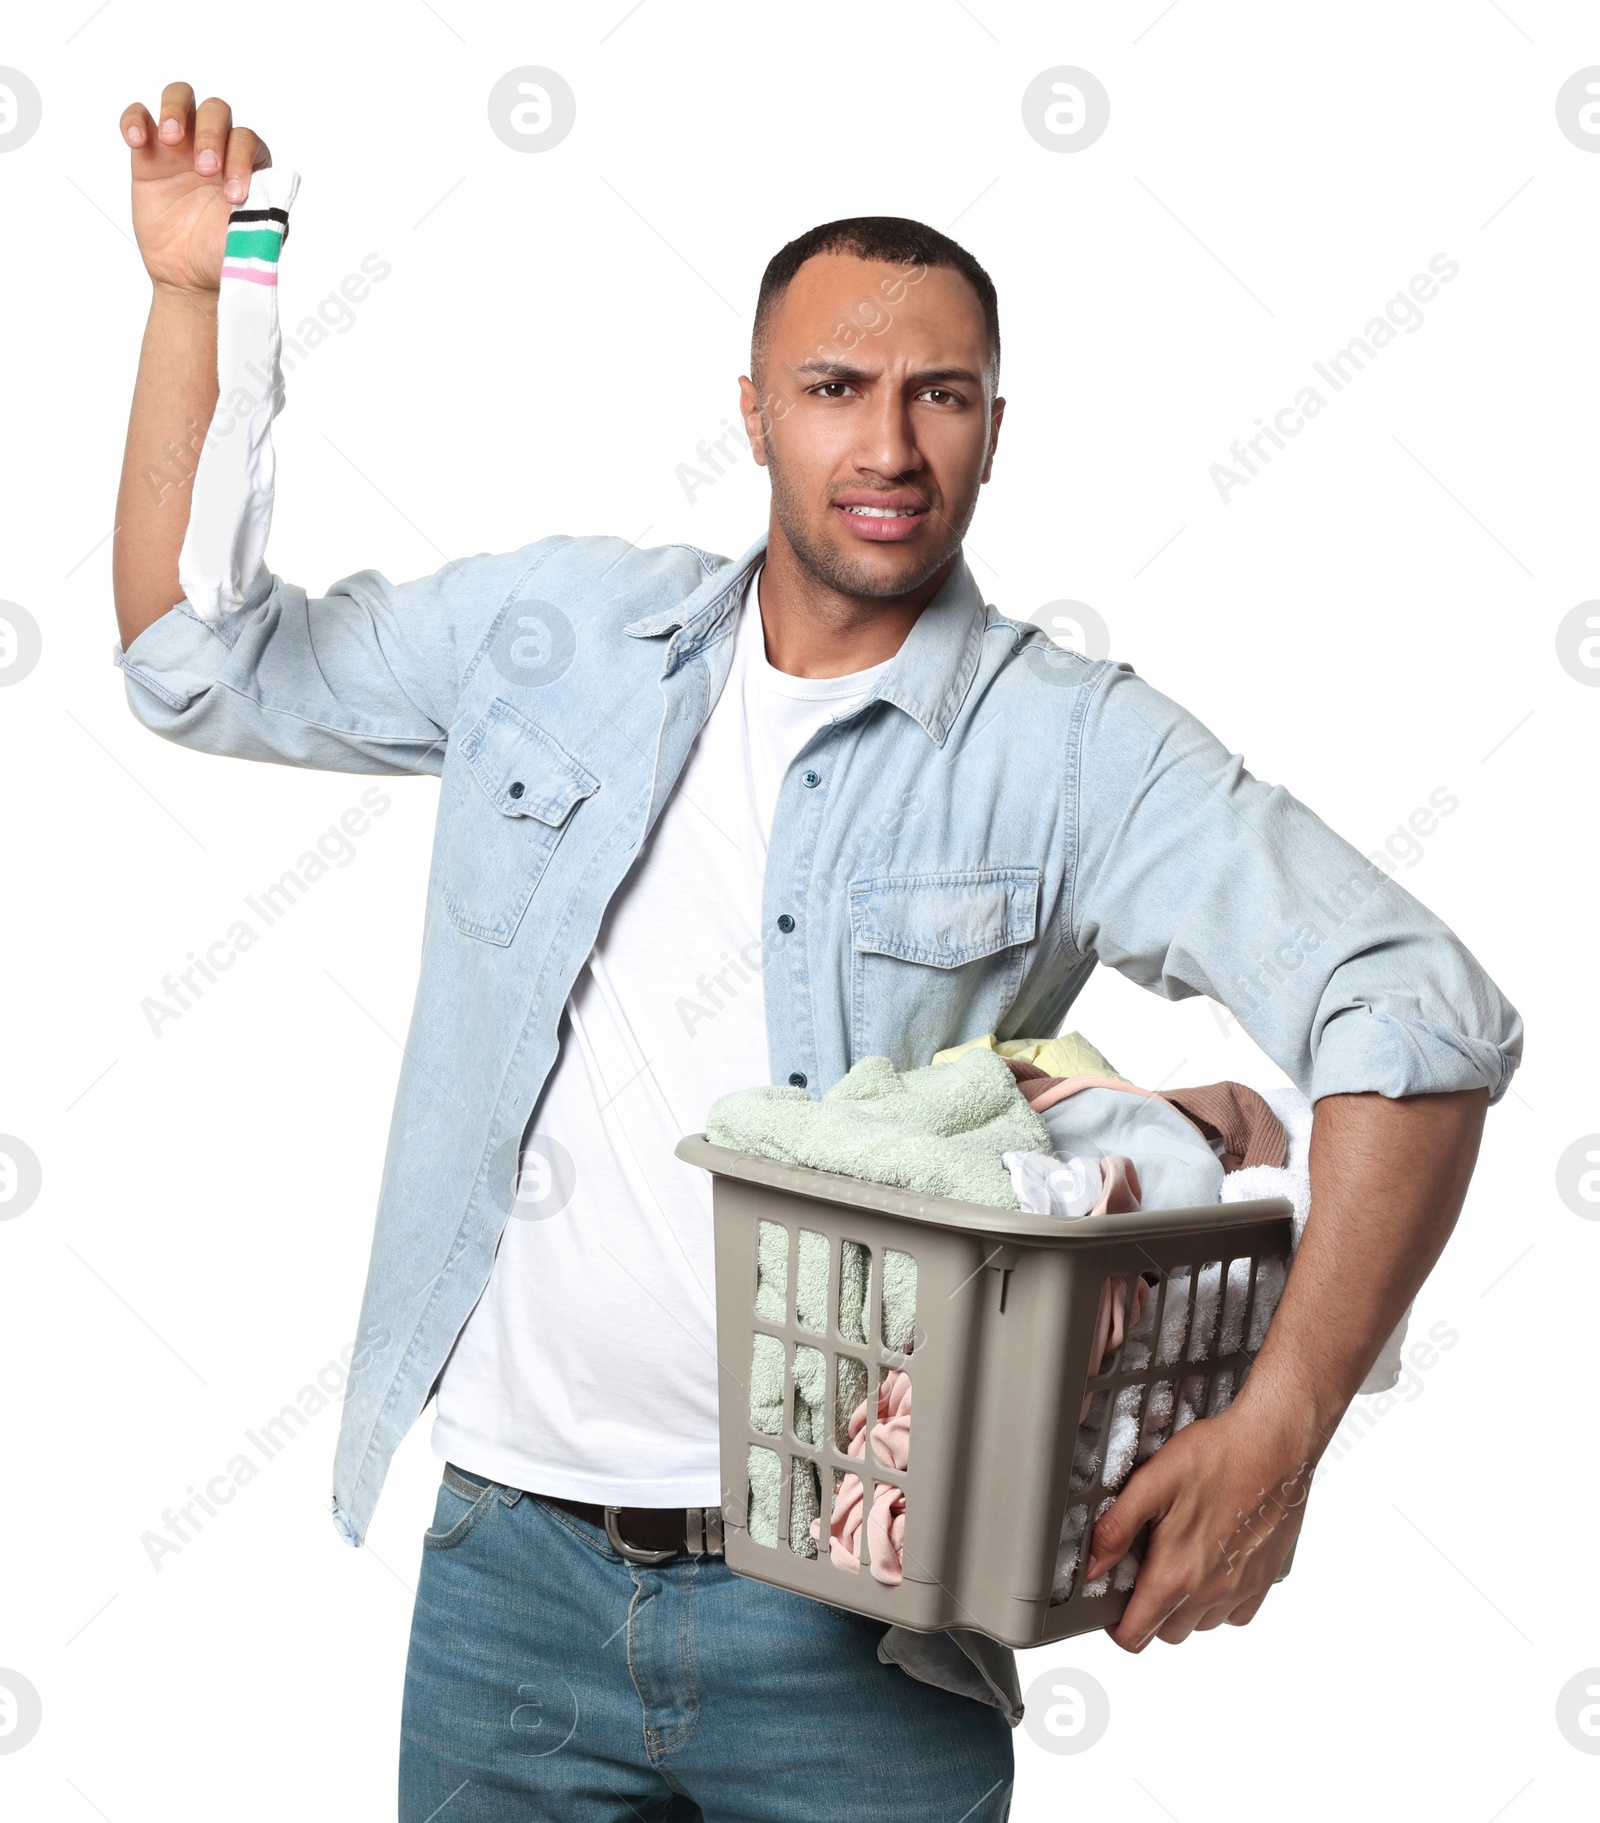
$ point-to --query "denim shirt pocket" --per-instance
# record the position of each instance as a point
(511, 814)
(936, 958)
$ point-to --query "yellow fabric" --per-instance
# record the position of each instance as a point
(1069, 1055)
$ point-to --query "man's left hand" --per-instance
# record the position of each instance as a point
(1225, 1498)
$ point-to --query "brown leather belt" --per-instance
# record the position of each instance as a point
(642, 1534)
(650, 1534)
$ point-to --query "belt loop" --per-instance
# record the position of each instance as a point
(694, 1530)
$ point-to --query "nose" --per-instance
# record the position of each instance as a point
(888, 440)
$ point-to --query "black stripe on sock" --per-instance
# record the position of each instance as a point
(260, 215)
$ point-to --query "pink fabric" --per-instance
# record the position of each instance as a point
(1108, 1323)
(1119, 1193)
(1060, 1087)
(886, 1524)
(1119, 1185)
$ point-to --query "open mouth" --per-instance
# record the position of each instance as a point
(882, 524)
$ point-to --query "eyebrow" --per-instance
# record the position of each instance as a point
(842, 370)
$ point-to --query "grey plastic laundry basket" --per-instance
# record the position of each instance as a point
(999, 1470)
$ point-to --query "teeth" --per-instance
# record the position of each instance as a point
(883, 512)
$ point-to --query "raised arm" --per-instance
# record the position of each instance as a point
(364, 678)
(190, 169)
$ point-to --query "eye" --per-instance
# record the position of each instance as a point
(832, 389)
(938, 395)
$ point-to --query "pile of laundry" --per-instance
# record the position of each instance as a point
(1048, 1127)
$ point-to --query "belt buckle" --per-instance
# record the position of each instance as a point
(702, 1534)
(630, 1551)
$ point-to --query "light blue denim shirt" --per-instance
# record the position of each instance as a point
(948, 858)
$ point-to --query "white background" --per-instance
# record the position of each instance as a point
(1370, 619)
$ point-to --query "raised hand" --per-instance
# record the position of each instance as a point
(189, 173)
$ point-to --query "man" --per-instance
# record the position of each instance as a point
(708, 823)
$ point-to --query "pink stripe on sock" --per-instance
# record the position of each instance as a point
(246, 272)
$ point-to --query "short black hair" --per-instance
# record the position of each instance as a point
(892, 239)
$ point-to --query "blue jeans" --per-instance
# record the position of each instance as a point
(549, 1677)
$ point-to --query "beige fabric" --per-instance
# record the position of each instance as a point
(1071, 1054)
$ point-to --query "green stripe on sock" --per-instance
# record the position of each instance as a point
(252, 243)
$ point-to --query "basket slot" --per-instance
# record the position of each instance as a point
(854, 1303)
(1236, 1298)
(888, 1519)
(772, 1271)
(1127, 1418)
(897, 1317)
(764, 1471)
(1203, 1289)
(805, 1506)
(1155, 1425)
(766, 1384)
(811, 1283)
(836, 1554)
(809, 1402)
(850, 1389)
(891, 1448)
(1070, 1553)
(1089, 1451)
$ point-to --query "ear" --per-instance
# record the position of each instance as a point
(996, 412)
(750, 411)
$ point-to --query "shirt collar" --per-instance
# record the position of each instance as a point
(928, 677)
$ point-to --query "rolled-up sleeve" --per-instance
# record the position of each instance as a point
(362, 679)
(1193, 877)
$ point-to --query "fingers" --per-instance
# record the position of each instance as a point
(220, 150)
(1169, 1605)
(211, 123)
(136, 126)
(1154, 1613)
(1143, 1499)
(1219, 1614)
(246, 153)
(177, 113)
(1246, 1610)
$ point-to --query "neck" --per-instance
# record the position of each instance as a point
(815, 630)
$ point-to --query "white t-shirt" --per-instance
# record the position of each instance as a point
(588, 1367)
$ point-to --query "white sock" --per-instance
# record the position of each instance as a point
(230, 508)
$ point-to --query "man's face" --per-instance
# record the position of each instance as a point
(877, 419)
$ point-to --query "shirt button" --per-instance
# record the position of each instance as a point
(785, 922)
(797, 1079)
(811, 778)
(515, 788)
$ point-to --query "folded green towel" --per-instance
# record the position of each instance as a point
(939, 1130)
